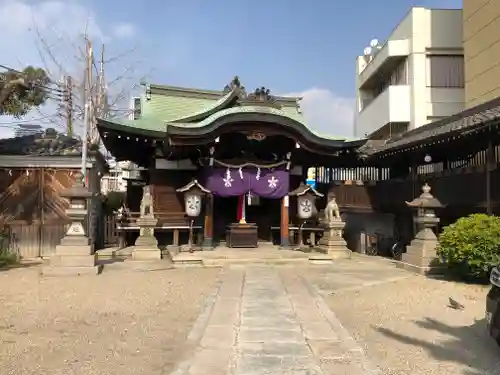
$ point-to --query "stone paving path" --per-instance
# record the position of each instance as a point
(268, 320)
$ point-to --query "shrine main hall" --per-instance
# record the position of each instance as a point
(224, 166)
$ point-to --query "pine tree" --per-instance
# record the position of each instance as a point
(22, 91)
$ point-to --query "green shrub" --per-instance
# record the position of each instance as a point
(470, 247)
(7, 257)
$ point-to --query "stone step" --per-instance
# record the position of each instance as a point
(189, 259)
(139, 265)
(248, 261)
(319, 258)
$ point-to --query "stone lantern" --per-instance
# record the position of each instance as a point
(194, 193)
(75, 254)
(421, 253)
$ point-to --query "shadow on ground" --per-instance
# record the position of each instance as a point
(482, 357)
(18, 266)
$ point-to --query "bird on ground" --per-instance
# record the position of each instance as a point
(455, 304)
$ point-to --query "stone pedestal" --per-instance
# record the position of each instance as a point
(75, 255)
(331, 246)
(146, 245)
(420, 256)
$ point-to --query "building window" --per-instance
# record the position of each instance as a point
(397, 76)
(446, 71)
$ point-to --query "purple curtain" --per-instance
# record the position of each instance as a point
(226, 182)
(272, 183)
(266, 183)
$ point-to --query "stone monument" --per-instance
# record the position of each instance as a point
(331, 246)
(75, 254)
(146, 245)
(420, 255)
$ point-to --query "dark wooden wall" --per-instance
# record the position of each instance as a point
(168, 203)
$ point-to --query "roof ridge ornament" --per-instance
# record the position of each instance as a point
(235, 84)
(261, 94)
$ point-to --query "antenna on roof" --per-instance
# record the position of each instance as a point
(372, 50)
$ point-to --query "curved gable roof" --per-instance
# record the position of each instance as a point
(225, 117)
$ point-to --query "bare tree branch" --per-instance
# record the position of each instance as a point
(121, 55)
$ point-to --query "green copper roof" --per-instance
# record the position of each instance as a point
(158, 127)
(208, 110)
(229, 111)
(171, 108)
(154, 127)
(291, 114)
(191, 108)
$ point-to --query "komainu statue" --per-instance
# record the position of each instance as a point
(146, 203)
(332, 212)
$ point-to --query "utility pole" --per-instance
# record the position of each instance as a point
(69, 105)
(88, 108)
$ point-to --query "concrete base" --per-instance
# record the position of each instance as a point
(146, 253)
(420, 256)
(73, 257)
(421, 270)
(331, 246)
(146, 246)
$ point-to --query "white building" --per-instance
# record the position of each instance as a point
(135, 108)
(116, 179)
(415, 77)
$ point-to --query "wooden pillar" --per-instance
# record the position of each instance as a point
(208, 228)
(489, 166)
(284, 232)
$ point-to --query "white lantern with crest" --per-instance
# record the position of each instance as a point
(306, 201)
(193, 198)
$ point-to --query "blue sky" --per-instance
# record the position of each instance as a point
(289, 46)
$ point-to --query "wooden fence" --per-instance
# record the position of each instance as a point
(35, 240)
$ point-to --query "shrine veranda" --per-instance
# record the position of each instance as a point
(217, 160)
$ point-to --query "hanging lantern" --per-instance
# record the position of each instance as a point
(193, 197)
(306, 201)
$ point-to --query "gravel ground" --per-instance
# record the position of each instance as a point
(407, 328)
(118, 323)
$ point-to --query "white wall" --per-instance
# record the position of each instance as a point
(437, 31)
(393, 105)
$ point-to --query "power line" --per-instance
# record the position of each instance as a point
(13, 123)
